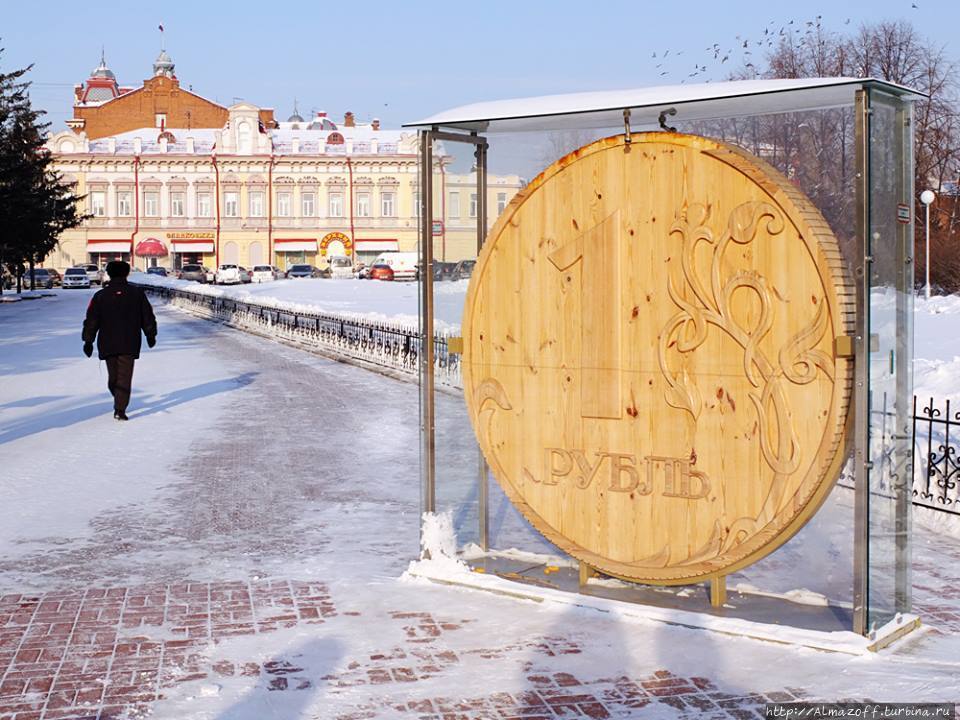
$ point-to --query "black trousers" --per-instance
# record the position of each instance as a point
(120, 380)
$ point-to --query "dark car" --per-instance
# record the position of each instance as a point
(443, 270)
(303, 271)
(463, 270)
(161, 271)
(381, 271)
(41, 278)
(55, 274)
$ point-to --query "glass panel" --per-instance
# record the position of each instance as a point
(454, 246)
(889, 244)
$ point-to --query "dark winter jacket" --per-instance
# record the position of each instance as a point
(115, 317)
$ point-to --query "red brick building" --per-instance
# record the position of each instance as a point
(103, 108)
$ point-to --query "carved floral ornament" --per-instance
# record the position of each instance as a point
(658, 392)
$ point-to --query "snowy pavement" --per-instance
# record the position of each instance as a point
(236, 552)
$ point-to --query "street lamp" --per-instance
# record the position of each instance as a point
(927, 197)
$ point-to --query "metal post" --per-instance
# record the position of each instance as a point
(926, 291)
(861, 513)
(483, 502)
(427, 409)
(903, 438)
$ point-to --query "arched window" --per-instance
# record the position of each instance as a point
(244, 138)
(334, 138)
(231, 254)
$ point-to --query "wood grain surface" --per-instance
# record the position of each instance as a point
(649, 356)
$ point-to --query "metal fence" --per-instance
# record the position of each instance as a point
(392, 346)
(395, 346)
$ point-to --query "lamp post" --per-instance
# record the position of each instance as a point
(927, 197)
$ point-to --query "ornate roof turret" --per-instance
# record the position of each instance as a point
(296, 117)
(102, 71)
(163, 65)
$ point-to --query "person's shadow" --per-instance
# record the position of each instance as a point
(71, 416)
(289, 683)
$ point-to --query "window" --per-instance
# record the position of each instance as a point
(178, 204)
(256, 203)
(124, 203)
(453, 205)
(416, 202)
(203, 204)
(388, 204)
(336, 204)
(501, 203)
(230, 204)
(363, 204)
(473, 205)
(98, 203)
(283, 204)
(161, 119)
(307, 200)
(151, 204)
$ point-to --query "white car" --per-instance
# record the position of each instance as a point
(95, 274)
(263, 273)
(341, 267)
(228, 274)
(76, 277)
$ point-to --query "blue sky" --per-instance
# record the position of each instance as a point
(401, 61)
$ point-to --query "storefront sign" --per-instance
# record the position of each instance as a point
(191, 235)
(336, 237)
(649, 359)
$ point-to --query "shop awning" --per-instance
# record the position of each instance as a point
(151, 247)
(295, 245)
(192, 246)
(108, 246)
(378, 245)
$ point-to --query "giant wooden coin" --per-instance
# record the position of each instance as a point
(649, 356)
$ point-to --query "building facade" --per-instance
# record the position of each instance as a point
(250, 190)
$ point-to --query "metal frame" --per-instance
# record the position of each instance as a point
(861, 399)
(428, 499)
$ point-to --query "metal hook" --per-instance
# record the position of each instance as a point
(626, 127)
(663, 119)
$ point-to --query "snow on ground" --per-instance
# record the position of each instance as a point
(251, 462)
(371, 300)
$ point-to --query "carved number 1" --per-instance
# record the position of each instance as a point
(598, 250)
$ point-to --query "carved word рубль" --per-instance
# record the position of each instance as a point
(674, 475)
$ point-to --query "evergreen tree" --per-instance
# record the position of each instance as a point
(36, 205)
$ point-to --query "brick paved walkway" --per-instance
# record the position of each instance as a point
(107, 653)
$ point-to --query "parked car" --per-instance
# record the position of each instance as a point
(278, 273)
(403, 264)
(210, 275)
(96, 275)
(263, 273)
(443, 270)
(463, 270)
(341, 267)
(381, 271)
(161, 271)
(76, 277)
(303, 271)
(245, 275)
(197, 273)
(228, 274)
(57, 277)
(41, 279)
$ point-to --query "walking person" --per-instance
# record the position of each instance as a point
(116, 316)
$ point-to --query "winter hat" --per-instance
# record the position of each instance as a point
(117, 269)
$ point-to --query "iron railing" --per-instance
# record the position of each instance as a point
(394, 346)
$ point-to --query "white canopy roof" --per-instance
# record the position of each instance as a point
(705, 101)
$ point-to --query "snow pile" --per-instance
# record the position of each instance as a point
(439, 548)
